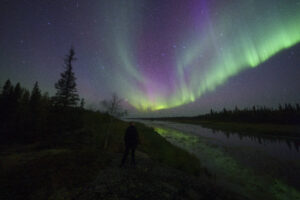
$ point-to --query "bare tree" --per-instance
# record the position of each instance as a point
(114, 109)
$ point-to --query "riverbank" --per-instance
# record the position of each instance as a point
(258, 167)
(64, 166)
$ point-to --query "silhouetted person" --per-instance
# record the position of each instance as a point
(131, 139)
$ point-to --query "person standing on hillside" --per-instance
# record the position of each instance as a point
(131, 140)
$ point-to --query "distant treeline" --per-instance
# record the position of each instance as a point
(283, 114)
(30, 115)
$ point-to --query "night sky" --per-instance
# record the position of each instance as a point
(164, 58)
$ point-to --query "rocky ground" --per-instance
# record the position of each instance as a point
(149, 180)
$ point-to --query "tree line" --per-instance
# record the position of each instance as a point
(283, 114)
(29, 115)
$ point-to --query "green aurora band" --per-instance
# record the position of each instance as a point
(220, 41)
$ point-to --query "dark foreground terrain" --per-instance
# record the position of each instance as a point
(75, 165)
(150, 180)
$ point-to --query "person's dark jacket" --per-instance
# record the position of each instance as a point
(131, 137)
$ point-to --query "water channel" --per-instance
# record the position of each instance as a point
(251, 164)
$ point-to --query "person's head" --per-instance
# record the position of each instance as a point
(131, 123)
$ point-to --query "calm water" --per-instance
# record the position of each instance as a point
(265, 162)
(283, 148)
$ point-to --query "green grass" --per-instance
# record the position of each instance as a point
(161, 150)
(58, 166)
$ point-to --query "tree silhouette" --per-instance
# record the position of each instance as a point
(113, 108)
(17, 94)
(82, 103)
(7, 91)
(35, 97)
(287, 114)
(6, 102)
(66, 95)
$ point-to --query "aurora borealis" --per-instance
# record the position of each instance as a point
(155, 54)
(213, 42)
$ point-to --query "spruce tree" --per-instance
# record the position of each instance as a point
(17, 93)
(7, 89)
(16, 99)
(26, 97)
(5, 103)
(7, 97)
(66, 95)
(82, 103)
(35, 98)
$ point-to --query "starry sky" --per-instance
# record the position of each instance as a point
(163, 57)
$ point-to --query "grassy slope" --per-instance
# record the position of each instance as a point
(60, 165)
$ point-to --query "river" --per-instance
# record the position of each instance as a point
(251, 164)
